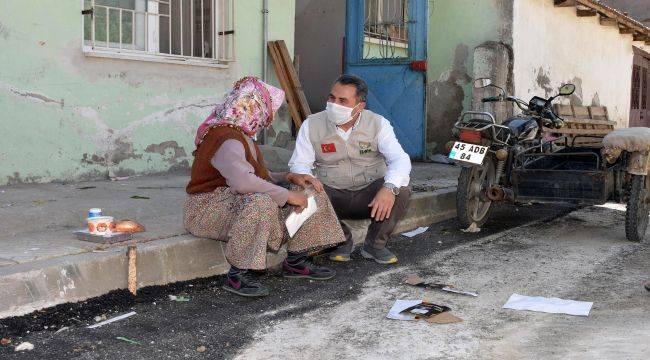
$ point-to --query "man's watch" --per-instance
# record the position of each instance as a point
(393, 188)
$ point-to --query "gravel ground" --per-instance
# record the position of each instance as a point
(581, 256)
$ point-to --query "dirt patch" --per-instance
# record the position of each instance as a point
(92, 160)
(123, 150)
(18, 179)
(169, 149)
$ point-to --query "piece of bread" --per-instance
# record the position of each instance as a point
(128, 226)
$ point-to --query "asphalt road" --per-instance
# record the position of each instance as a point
(534, 250)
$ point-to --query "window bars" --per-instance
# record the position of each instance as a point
(636, 86)
(197, 29)
(386, 29)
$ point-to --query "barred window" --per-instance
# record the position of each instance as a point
(386, 29)
(168, 29)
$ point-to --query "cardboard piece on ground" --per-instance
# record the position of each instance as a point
(414, 280)
(444, 318)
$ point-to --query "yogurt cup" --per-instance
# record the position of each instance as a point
(94, 212)
(101, 225)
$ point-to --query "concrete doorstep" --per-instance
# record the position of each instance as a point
(84, 271)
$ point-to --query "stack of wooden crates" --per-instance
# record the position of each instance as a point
(583, 125)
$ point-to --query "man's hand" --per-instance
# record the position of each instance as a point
(382, 204)
(305, 180)
(297, 199)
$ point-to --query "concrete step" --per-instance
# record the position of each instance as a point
(30, 286)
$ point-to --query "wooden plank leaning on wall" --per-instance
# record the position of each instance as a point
(288, 78)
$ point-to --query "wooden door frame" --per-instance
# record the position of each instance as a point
(640, 115)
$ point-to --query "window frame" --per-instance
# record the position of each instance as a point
(152, 41)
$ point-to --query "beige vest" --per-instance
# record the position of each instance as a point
(352, 164)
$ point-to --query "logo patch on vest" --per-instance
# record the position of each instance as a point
(364, 147)
(328, 148)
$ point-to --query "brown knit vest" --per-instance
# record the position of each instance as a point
(204, 177)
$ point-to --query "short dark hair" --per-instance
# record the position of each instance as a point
(359, 83)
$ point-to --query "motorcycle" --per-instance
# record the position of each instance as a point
(488, 150)
(520, 161)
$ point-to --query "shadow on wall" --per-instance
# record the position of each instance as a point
(320, 30)
(445, 101)
(543, 82)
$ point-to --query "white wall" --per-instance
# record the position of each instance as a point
(553, 46)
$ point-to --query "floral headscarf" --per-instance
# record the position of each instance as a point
(249, 106)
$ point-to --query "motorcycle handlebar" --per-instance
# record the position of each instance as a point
(491, 99)
(556, 122)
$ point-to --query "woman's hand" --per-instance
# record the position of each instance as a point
(305, 180)
(297, 199)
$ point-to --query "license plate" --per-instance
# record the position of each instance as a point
(469, 153)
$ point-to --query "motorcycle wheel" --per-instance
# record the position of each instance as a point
(636, 216)
(472, 204)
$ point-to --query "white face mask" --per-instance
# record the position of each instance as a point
(339, 114)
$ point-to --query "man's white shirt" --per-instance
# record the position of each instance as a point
(397, 160)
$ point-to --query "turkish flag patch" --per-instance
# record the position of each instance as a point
(328, 148)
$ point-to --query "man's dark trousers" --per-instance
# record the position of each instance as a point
(353, 205)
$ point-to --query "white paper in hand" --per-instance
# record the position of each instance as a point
(295, 220)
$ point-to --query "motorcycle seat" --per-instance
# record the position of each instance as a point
(635, 139)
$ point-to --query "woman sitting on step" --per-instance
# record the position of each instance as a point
(234, 198)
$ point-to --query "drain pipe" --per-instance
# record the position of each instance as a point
(265, 27)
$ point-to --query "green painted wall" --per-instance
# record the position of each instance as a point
(456, 27)
(372, 50)
(65, 116)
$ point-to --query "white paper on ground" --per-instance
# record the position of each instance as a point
(415, 232)
(117, 318)
(548, 305)
(295, 220)
(400, 305)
